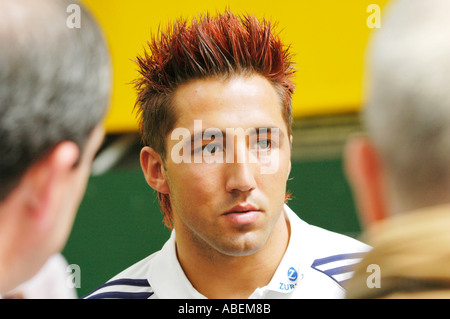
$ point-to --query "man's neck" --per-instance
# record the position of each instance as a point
(216, 275)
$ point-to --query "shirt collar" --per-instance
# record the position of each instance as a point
(295, 261)
(167, 277)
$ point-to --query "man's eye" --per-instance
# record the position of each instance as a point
(211, 148)
(264, 144)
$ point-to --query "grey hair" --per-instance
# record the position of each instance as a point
(408, 86)
(55, 82)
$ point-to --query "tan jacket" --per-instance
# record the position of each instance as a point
(410, 257)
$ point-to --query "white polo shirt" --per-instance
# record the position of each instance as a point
(316, 264)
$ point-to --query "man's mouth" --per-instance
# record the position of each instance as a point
(242, 214)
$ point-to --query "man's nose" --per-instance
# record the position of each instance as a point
(240, 177)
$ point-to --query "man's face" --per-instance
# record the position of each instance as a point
(227, 189)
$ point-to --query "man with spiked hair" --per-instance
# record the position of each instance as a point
(214, 98)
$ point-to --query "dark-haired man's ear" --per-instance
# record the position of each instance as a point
(152, 166)
(364, 172)
(46, 176)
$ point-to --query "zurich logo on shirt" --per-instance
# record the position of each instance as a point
(293, 277)
(292, 274)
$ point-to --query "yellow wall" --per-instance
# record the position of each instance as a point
(328, 38)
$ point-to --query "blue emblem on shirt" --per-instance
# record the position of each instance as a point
(292, 274)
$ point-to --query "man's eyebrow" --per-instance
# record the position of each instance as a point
(268, 129)
(210, 132)
(265, 130)
(217, 132)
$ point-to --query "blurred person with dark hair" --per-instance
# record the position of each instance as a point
(214, 98)
(54, 92)
(400, 171)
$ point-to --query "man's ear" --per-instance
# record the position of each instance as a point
(291, 139)
(365, 173)
(152, 167)
(43, 179)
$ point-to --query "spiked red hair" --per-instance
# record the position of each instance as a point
(208, 47)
